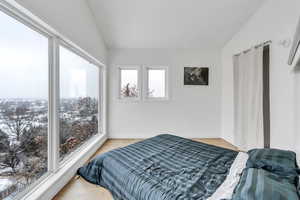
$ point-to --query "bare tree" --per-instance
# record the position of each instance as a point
(17, 120)
(33, 142)
(129, 91)
(4, 141)
(87, 106)
(32, 168)
(23, 144)
(11, 158)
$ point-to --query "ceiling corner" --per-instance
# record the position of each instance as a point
(88, 4)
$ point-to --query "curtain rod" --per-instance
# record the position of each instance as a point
(256, 46)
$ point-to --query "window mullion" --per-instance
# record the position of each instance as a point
(101, 108)
(145, 82)
(53, 152)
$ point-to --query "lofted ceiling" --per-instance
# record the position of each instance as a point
(170, 23)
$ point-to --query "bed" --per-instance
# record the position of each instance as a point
(168, 167)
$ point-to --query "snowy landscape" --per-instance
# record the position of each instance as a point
(24, 132)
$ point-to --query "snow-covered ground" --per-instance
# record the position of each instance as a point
(5, 183)
(5, 170)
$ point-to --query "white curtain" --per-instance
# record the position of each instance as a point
(248, 97)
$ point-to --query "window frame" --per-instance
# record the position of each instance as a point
(26, 18)
(146, 83)
(139, 84)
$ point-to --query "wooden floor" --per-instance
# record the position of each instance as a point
(79, 189)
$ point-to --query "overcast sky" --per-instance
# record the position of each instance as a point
(24, 65)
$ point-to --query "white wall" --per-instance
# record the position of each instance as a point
(73, 19)
(191, 112)
(275, 20)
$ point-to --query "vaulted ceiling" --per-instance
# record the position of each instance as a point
(170, 23)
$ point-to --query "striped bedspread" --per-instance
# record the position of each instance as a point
(164, 167)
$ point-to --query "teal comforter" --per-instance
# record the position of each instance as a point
(165, 167)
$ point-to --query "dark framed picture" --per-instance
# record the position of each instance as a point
(196, 75)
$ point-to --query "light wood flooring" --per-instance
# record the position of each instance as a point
(79, 189)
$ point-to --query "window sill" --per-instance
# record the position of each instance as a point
(158, 99)
(52, 184)
(137, 100)
(129, 100)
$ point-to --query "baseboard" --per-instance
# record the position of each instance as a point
(149, 135)
(228, 139)
(48, 188)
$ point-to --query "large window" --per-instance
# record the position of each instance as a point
(50, 91)
(23, 106)
(79, 93)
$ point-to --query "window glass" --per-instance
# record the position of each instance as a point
(129, 83)
(23, 106)
(156, 83)
(79, 93)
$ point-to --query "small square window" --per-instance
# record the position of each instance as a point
(156, 84)
(129, 83)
